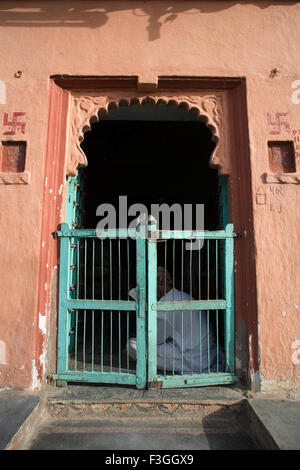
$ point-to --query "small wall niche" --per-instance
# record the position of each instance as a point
(12, 163)
(12, 157)
(281, 156)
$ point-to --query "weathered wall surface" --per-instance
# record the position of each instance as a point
(255, 40)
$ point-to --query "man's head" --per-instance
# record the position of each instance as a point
(164, 282)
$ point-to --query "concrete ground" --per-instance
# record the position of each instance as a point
(82, 417)
(15, 408)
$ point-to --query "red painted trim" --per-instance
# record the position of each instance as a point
(240, 197)
(53, 178)
(246, 307)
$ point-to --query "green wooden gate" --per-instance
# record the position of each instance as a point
(92, 355)
(200, 350)
(96, 313)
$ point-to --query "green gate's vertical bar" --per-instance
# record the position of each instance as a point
(141, 305)
(223, 200)
(229, 295)
(152, 301)
(223, 221)
(63, 314)
(74, 218)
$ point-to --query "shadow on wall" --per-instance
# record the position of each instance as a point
(92, 14)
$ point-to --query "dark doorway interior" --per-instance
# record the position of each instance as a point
(150, 162)
(153, 162)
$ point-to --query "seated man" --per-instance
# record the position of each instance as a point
(179, 333)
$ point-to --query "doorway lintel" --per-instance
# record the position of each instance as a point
(209, 108)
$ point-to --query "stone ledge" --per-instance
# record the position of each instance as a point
(15, 178)
(15, 409)
(287, 178)
(281, 420)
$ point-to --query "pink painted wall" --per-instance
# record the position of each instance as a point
(149, 39)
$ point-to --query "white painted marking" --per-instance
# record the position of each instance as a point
(42, 323)
(2, 353)
(34, 377)
(2, 92)
(296, 95)
(296, 354)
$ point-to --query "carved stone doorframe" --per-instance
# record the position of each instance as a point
(209, 108)
(77, 102)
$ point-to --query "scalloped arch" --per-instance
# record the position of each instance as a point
(88, 110)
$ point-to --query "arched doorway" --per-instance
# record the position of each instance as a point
(154, 156)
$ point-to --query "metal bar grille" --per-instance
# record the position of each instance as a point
(194, 316)
(95, 278)
(102, 320)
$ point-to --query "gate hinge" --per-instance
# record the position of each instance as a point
(72, 330)
(55, 235)
(156, 384)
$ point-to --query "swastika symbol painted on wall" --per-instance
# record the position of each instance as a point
(278, 123)
(14, 123)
